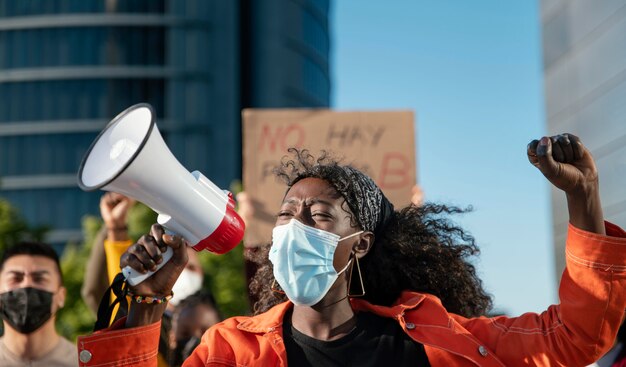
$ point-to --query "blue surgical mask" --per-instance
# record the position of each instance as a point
(302, 257)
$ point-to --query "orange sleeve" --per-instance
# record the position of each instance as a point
(117, 346)
(583, 326)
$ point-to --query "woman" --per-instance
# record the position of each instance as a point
(337, 238)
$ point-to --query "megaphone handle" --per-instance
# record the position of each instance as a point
(133, 277)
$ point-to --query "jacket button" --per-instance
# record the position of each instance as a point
(483, 351)
(84, 356)
(410, 325)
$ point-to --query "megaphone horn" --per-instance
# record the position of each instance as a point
(130, 157)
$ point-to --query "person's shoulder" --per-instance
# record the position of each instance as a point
(262, 323)
(67, 345)
(230, 323)
(2, 347)
(63, 355)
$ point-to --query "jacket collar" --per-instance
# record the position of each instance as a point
(407, 301)
(267, 321)
(273, 318)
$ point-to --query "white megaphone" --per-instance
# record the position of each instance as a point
(130, 157)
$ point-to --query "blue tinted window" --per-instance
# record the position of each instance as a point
(315, 33)
(10, 8)
(315, 81)
(76, 99)
(82, 46)
(55, 208)
(320, 5)
(43, 154)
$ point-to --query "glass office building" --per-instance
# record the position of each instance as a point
(584, 47)
(68, 66)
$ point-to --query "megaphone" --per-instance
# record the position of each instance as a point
(130, 157)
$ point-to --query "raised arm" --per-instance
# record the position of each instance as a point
(592, 292)
(569, 166)
(103, 264)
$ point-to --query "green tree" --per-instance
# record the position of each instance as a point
(75, 318)
(225, 276)
(13, 227)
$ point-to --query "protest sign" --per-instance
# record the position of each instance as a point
(379, 143)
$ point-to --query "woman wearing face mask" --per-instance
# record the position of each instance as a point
(353, 282)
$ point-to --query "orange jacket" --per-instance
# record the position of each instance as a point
(574, 333)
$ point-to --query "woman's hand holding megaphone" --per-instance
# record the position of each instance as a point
(144, 256)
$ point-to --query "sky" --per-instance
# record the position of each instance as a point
(472, 73)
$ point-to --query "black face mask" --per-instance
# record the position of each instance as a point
(184, 348)
(26, 309)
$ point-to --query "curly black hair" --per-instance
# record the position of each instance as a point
(419, 249)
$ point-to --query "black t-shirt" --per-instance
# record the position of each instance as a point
(375, 341)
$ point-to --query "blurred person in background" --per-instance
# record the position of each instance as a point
(31, 293)
(417, 195)
(100, 268)
(192, 317)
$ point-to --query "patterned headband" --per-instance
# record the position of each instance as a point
(365, 199)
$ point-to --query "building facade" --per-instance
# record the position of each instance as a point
(584, 51)
(68, 66)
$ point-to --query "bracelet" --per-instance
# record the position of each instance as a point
(149, 299)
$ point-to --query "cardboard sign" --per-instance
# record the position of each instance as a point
(381, 144)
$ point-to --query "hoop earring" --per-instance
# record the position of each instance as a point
(275, 287)
(358, 268)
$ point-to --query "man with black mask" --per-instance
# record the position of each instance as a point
(31, 292)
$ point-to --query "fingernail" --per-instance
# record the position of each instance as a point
(542, 147)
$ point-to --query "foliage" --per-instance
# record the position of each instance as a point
(75, 318)
(224, 275)
(140, 218)
(14, 228)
